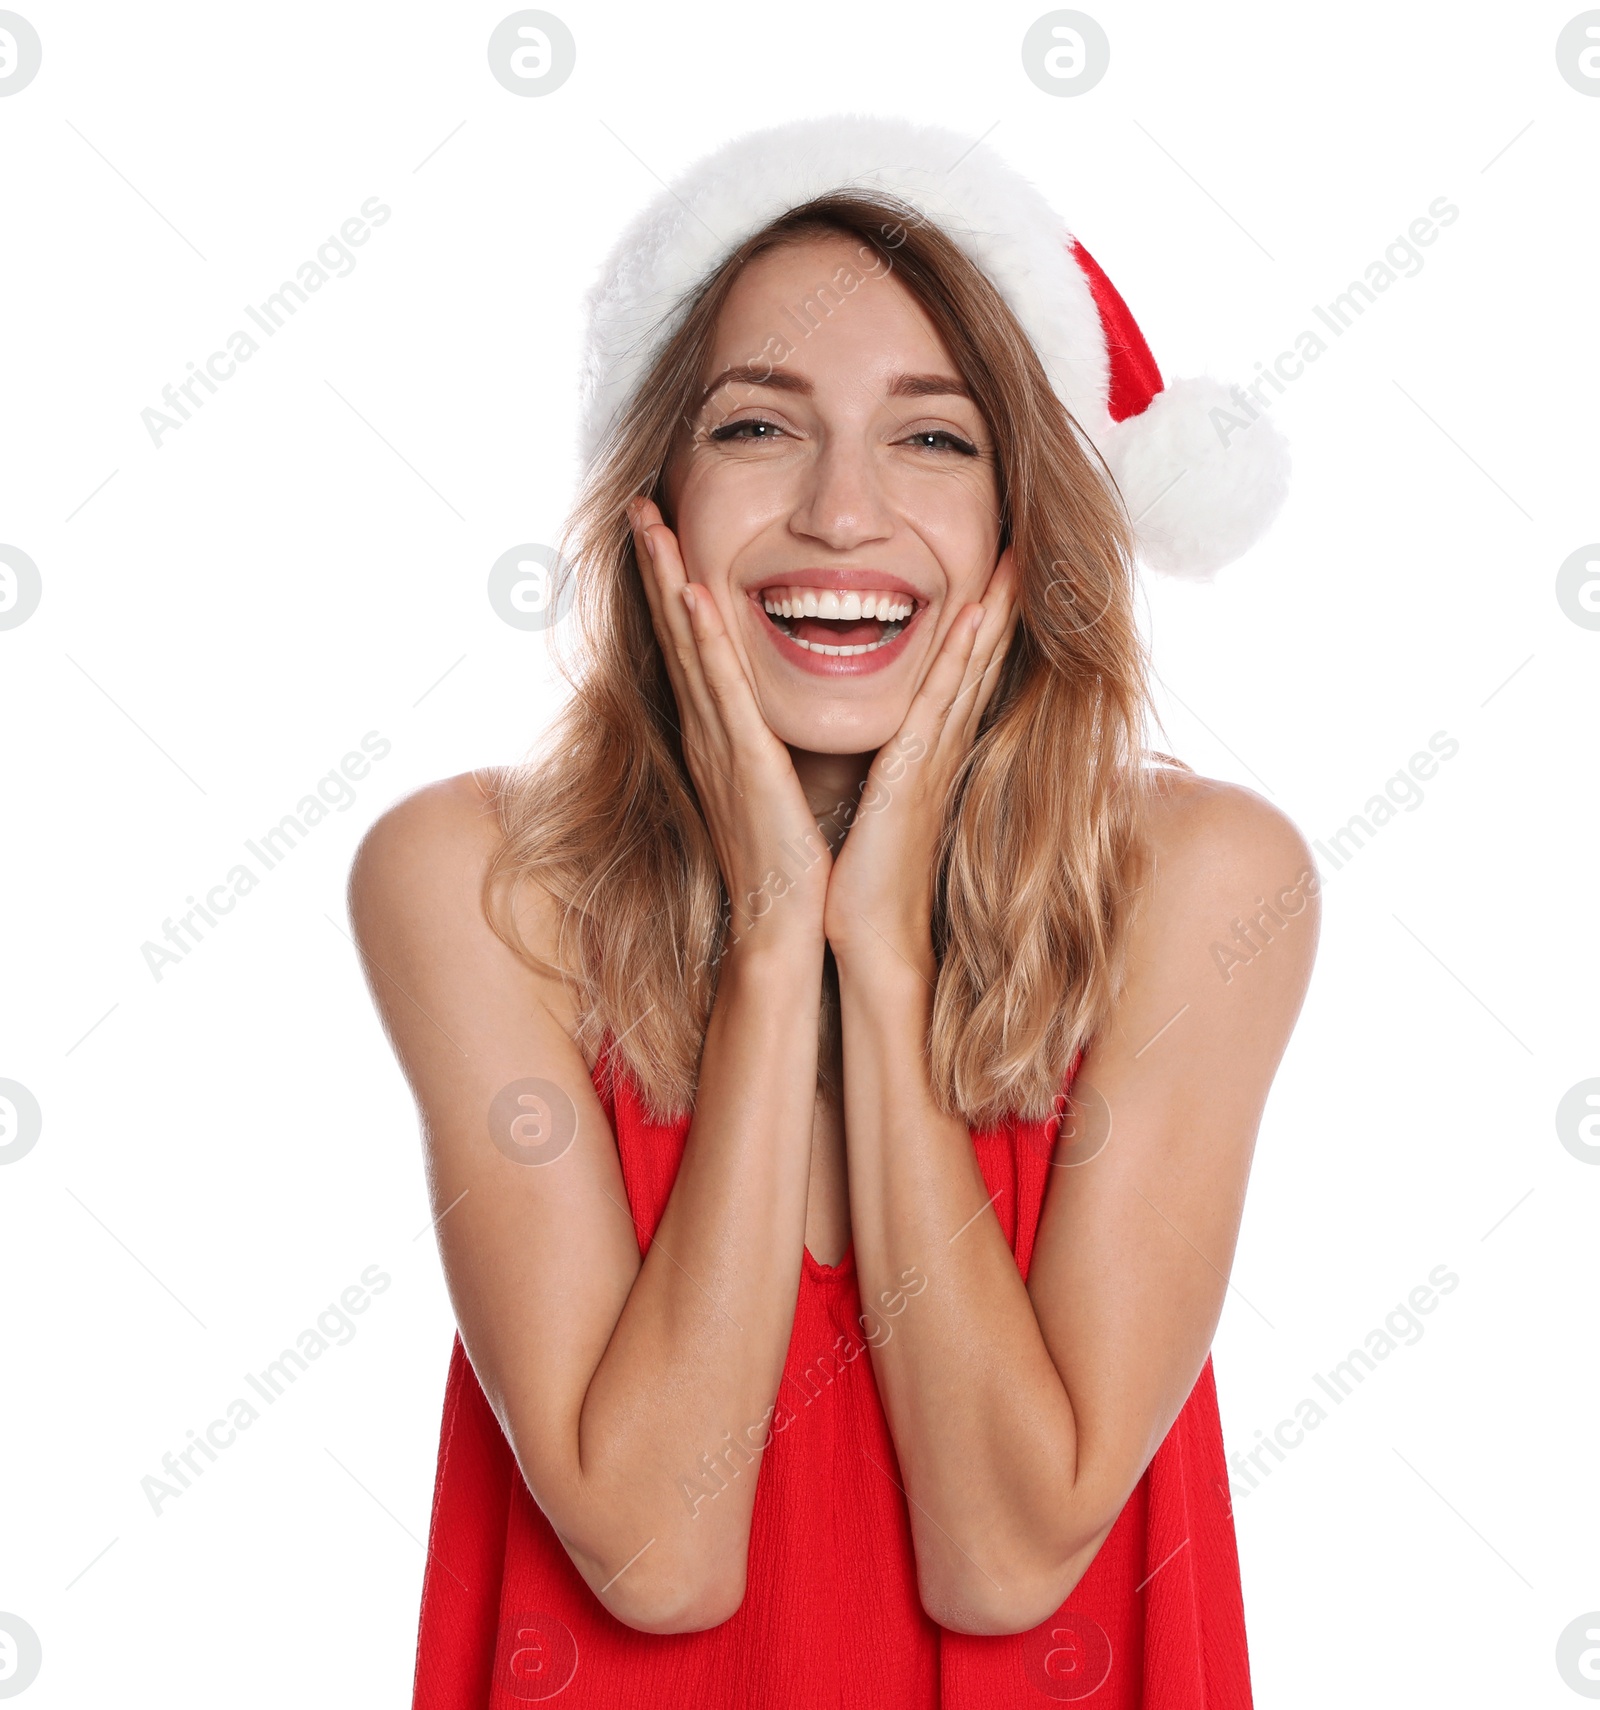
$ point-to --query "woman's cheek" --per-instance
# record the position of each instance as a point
(754, 489)
(951, 508)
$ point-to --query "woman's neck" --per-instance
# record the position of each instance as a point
(832, 783)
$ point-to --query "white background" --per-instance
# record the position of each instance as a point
(226, 1149)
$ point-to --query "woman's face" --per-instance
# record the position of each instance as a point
(844, 473)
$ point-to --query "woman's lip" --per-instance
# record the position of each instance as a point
(833, 664)
(860, 580)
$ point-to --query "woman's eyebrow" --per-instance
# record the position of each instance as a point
(902, 386)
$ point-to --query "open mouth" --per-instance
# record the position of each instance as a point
(862, 630)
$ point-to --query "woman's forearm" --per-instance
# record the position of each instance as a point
(982, 1425)
(673, 1421)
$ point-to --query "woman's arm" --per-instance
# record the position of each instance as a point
(1024, 1415)
(610, 1376)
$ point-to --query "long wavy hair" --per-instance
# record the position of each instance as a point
(1044, 844)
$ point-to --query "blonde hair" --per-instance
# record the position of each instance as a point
(1044, 844)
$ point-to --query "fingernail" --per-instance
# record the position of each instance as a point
(688, 600)
(649, 546)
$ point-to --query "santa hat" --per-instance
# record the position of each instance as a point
(1198, 488)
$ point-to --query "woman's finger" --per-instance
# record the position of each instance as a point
(724, 674)
(726, 722)
(957, 688)
(711, 663)
(662, 573)
(1001, 612)
(933, 703)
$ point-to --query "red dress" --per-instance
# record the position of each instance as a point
(831, 1618)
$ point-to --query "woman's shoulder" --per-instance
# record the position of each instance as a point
(1215, 819)
(1224, 855)
(419, 876)
(428, 836)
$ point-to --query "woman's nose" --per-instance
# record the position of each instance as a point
(841, 501)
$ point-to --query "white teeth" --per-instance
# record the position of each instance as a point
(887, 608)
(827, 603)
(839, 652)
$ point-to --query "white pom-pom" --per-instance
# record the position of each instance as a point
(1203, 471)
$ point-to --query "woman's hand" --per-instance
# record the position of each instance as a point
(880, 892)
(774, 860)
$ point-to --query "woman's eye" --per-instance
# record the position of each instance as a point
(954, 442)
(730, 430)
(765, 430)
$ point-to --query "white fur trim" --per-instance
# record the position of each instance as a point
(1201, 479)
(984, 204)
(1003, 223)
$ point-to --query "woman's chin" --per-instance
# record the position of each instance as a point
(849, 734)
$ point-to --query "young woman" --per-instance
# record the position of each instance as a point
(840, 1054)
